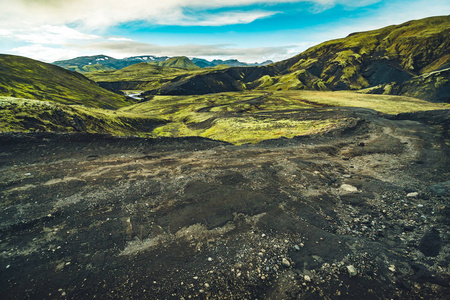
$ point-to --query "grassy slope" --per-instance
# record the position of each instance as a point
(414, 47)
(18, 114)
(26, 78)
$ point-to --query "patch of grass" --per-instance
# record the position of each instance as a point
(22, 77)
(383, 103)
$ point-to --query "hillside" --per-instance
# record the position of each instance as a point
(26, 78)
(361, 60)
(141, 76)
(181, 62)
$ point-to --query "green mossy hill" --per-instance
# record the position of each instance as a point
(23, 115)
(391, 54)
(217, 81)
(177, 62)
(433, 86)
(141, 76)
(361, 60)
(83, 63)
(27, 78)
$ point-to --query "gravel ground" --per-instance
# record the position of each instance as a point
(359, 213)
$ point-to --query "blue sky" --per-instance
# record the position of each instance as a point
(249, 30)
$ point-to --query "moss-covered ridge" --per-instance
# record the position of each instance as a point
(27, 78)
(22, 115)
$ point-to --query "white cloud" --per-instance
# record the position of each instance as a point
(119, 39)
(50, 34)
(44, 53)
(220, 19)
(104, 13)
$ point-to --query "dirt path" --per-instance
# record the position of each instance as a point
(358, 214)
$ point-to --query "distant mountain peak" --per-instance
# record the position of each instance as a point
(105, 62)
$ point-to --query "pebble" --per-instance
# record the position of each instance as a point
(392, 268)
(285, 262)
(412, 195)
(206, 285)
(297, 248)
(210, 259)
(347, 188)
(352, 270)
(27, 174)
(307, 278)
(419, 205)
(8, 266)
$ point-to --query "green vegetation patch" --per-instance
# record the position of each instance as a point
(22, 115)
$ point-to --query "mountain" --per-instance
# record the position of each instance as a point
(27, 78)
(104, 63)
(394, 54)
(203, 63)
(142, 76)
(177, 62)
(86, 64)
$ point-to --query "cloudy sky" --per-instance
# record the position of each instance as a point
(248, 30)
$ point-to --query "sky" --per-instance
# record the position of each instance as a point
(247, 30)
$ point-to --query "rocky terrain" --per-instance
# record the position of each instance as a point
(360, 212)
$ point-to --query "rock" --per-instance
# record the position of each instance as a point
(392, 268)
(297, 248)
(412, 195)
(352, 270)
(210, 259)
(430, 244)
(285, 262)
(347, 188)
(307, 278)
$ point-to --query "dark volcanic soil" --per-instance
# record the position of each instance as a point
(362, 213)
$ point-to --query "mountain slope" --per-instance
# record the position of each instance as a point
(361, 60)
(177, 62)
(394, 53)
(26, 78)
